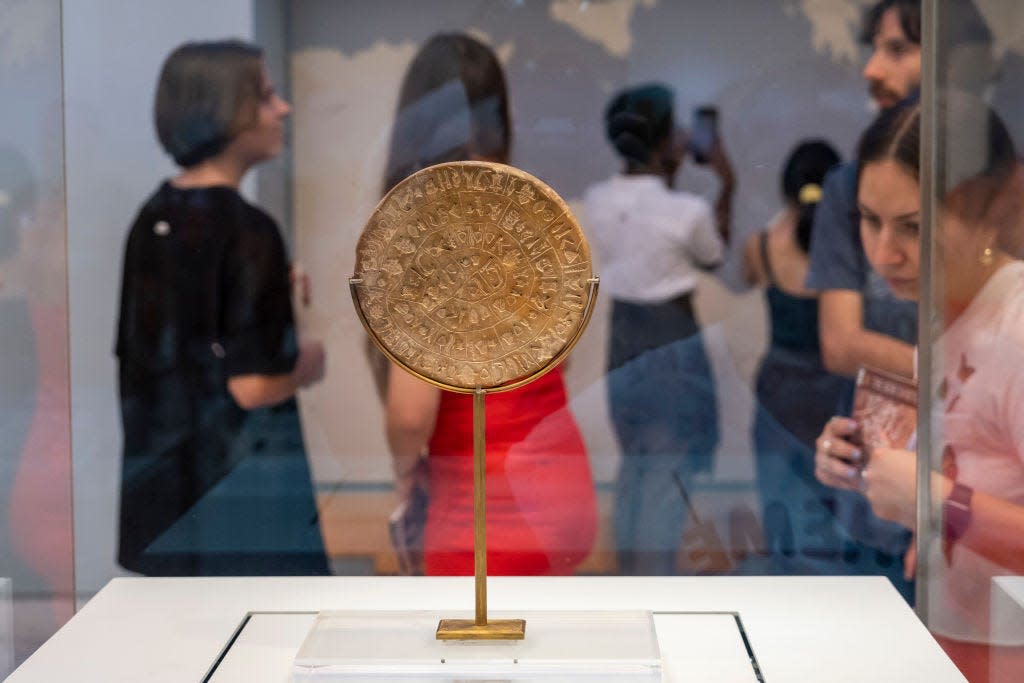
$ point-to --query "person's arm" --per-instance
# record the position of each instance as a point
(257, 331)
(411, 407)
(259, 390)
(719, 162)
(703, 246)
(996, 527)
(846, 345)
(753, 273)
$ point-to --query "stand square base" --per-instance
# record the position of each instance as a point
(617, 647)
(468, 629)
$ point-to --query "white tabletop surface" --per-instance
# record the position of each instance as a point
(1011, 587)
(834, 629)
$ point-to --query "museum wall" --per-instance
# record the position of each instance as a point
(785, 74)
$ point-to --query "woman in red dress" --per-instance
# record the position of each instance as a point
(541, 513)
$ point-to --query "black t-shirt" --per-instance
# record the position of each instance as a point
(205, 286)
(205, 296)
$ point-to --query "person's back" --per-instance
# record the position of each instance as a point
(774, 260)
(453, 106)
(540, 498)
(652, 241)
(795, 393)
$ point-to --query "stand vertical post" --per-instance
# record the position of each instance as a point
(480, 505)
(480, 628)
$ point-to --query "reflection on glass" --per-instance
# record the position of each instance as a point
(6, 628)
(563, 62)
(977, 374)
(36, 563)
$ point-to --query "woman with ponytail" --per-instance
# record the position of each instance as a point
(795, 393)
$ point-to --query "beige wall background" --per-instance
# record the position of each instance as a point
(778, 72)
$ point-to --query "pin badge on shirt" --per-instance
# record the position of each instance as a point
(162, 228)
(217, 349)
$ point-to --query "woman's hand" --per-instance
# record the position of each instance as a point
(310, 365)
(718, 161)
(837, 461)
(300, 284)
(407, 475)
(890, 485)
(910, 560)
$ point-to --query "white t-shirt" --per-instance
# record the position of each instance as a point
(979, 411)
(650, 240)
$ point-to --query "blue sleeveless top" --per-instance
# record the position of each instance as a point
(794, 319)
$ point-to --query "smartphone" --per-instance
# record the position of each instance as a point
(704, 133)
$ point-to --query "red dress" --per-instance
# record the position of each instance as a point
(541, 512)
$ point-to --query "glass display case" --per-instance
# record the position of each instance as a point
(708, 151)
(968, 568)
(37, 588)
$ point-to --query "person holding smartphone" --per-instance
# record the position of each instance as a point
(704, 145)
(652, 241)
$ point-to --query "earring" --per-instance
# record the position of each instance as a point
(987, 256)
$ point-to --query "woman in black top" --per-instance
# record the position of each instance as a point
(208, 356)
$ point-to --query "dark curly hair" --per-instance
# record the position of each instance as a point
(638, 120)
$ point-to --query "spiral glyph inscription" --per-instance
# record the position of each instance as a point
(473, 274)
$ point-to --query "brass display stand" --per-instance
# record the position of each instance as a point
(480, 628)
(476, 278)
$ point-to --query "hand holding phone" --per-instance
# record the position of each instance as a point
(704, 133)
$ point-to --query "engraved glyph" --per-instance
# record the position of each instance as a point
(473, 274)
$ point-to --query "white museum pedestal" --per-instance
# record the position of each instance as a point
(223, 630)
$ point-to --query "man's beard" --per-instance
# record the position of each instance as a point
(883, 96)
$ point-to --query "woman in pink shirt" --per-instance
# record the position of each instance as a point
(977, 375)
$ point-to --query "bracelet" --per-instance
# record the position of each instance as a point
(956, 512)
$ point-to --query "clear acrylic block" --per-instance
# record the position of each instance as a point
(396, 646)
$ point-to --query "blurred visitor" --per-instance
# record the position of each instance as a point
(860, 321)
(977, 375)
(541, 510)
(214, 477)
(795, 393)
(652, 242)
